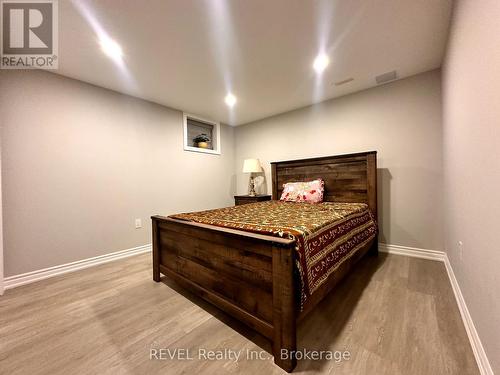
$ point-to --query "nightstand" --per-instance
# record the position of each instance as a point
(244, 199)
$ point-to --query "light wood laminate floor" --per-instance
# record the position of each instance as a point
(395, 315)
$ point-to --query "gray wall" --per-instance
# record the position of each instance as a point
(471, 92)
(80, 163)
(401, 120)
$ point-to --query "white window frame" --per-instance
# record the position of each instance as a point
(188, 147)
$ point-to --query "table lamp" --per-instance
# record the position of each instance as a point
(251, 166)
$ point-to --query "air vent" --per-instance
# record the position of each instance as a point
(386, 77)
(344, 81)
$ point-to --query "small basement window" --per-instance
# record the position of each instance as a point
(201, 135)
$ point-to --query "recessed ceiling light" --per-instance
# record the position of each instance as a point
(321, 62)
(230, 100)
(111, 48)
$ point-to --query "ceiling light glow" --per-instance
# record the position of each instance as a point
(111, 48)
(230, 100)
(320, 63)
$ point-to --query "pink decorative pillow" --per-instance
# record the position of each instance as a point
(309, 192)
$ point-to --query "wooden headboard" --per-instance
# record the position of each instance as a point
(348, 178)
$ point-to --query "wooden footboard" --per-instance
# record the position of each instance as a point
(249, 276)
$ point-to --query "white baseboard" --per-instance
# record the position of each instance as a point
(477, 347)
(412, 252)
(475, 341)
(30, 277)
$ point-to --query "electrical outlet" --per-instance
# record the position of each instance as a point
(461, 250)
(138, 223)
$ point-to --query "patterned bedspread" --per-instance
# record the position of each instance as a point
(326, 234)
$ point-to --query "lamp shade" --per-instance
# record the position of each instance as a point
(251, 166)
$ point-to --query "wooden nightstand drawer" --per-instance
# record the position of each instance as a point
(244, 199)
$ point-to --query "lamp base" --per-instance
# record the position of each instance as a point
(252, 193)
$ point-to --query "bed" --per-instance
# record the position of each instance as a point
(261, 263)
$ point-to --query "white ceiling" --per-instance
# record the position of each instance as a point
(186, 54)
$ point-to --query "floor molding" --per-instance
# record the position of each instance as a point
(31, 277)
(477, 347)
(412, 252)
(470, 328)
